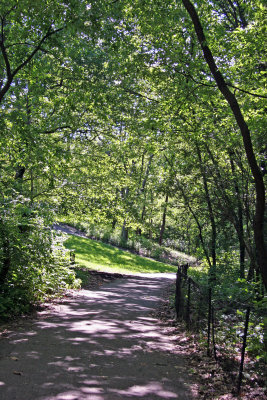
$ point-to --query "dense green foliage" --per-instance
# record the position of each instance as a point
(39, 266)
(144, 117)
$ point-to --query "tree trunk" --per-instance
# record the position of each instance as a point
(114, 222)
(163, 224)
(142, 190)
(187, 202)
(150, 230)
(237, 219)
(211, 214)
(255, 170)
(240, 227)
(124, 232)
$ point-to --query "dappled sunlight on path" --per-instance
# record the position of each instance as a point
(97, 345)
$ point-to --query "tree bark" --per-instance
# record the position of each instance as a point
(211, 214)
(240, 228)
(237, 219)
(163, 224)
(124, 232)
(245, 132)
(187, 202)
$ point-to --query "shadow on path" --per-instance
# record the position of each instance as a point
(98, 345)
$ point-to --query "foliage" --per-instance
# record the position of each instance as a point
(111, 114)
(38, 262)
(230, 299)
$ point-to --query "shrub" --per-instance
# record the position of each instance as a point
(38, 262)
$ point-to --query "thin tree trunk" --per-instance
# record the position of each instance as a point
(163, 224)
(142, 190)
(114, 222)
(150, 230)
(240, 227)
(211, 214)
(235, 219)
(124, 232)
(198, 225)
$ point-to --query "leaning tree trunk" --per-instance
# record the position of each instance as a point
(245, 132)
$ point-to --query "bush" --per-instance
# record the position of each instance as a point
(38, 263)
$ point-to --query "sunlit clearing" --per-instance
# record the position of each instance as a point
(99, 256)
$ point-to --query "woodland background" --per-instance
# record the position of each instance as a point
(145, 121)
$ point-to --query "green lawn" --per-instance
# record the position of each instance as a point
(103, 257)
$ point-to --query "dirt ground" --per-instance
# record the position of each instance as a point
(100, 344)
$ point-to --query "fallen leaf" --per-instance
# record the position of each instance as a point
(17, 373)
(14, 358)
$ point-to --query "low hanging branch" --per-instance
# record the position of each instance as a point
(245, 132)
(12, 74)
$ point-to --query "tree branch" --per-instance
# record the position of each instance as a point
(28, 59)
(138, 94)
(56, 129)
(3, 49)
(9, 11)
(10, 74)
(261, 96)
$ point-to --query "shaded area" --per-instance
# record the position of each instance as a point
(98, 345)
(92, 279)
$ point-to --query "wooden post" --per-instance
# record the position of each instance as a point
(188, 304)
(178, 294)
(72, 257)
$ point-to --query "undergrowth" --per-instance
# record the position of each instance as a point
(230, 298)
(39, 267)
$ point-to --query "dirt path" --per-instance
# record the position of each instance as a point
(96, 345)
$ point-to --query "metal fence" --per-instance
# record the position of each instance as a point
(194, 305)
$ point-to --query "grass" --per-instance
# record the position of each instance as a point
(99, 256)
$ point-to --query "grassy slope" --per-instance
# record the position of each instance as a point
(99, 256)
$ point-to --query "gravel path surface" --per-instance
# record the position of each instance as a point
(99, 344)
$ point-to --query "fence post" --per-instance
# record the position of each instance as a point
(188, 303)
(185, 269)
(72, 257)
(241, 366)
(178, 295)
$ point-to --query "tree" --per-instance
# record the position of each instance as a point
(246, 135)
